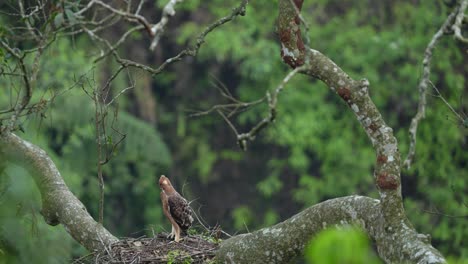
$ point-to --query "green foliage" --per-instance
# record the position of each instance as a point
(340, 245)
(67, 132)
(269, 186)
(314, 151)
(24, 236)
(139, 159)
(179, 257)
(243, 217)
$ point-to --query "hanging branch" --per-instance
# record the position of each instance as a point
(422, 87)
(453, 22)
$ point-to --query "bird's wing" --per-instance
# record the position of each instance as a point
(180, 211)
(166, 209)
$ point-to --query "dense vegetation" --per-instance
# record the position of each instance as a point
(314, 151)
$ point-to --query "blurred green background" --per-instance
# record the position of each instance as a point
(316, 149)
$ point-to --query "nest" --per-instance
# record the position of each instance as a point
(159, 249)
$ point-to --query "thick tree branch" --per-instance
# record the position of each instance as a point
(356, 96)
(59, 205)
(283, 242)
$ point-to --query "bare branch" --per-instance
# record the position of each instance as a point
(423, 87)
(119, 42)
(233, 107)
(439, 95)
(158, 29)
(127, 16)
(242, 139)
(191, 51)
(456, 27)
(25, 17)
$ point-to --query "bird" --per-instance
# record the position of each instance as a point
(175, 208)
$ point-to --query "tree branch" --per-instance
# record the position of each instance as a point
(422, 87)
(59, 205)
(158, 29)
(283, 242)
(459, 21)
(190, 51)
(272, 99)
(356, 95)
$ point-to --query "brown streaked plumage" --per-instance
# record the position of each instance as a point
(175, 208)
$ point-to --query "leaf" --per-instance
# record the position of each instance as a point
(58, 20)
(71, 17)
(353, 247)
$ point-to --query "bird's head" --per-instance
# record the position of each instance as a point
(164, 183)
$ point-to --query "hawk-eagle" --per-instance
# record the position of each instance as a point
(175, 208)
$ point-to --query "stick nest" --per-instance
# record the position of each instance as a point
(159, 249)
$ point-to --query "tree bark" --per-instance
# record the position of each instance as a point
(385, 221)
(59, 205)
(283, 242)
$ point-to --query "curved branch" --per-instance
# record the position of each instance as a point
(285, 241)
(59, 205)
(356, 95)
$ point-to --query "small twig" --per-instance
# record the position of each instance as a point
(86, 8)
(98, 123)
(119, 42)
(228, 122)
(119, 94)
(437, 212)
(24, 17)
(246, 228)
(127, 16)
(243, 138)
(137, 12)
(439, 95)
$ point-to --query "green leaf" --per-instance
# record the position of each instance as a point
(352, 243)
(71, 16)
(58, 20)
